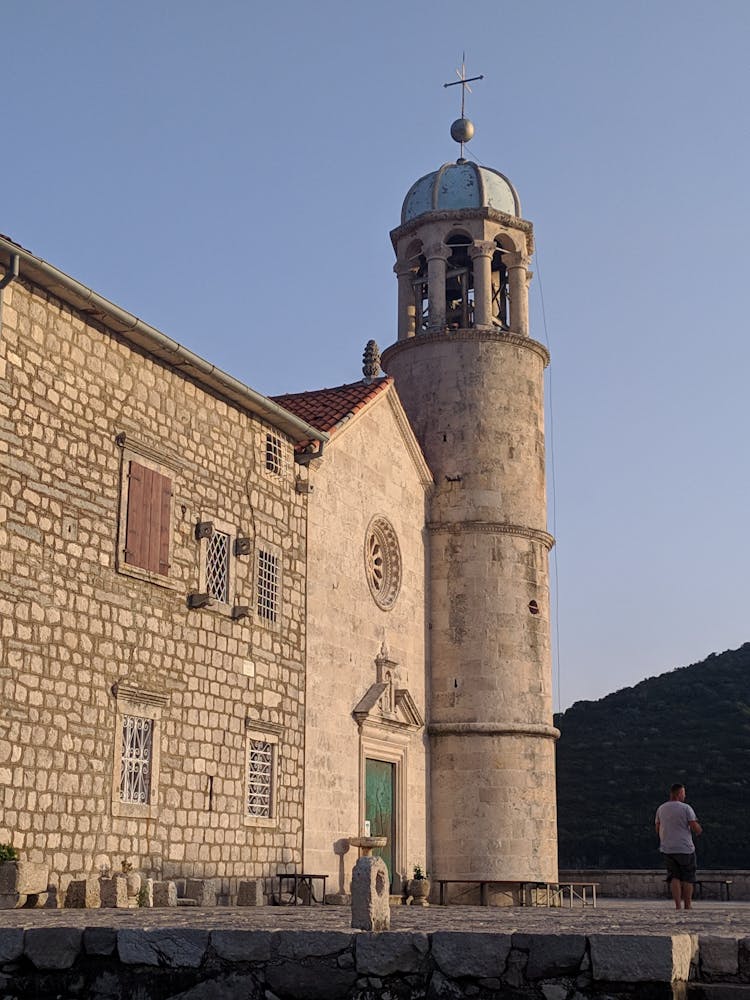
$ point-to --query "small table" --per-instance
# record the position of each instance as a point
(297, 881)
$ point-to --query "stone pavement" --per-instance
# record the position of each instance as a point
(615, 916)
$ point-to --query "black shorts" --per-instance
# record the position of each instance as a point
(680, 866)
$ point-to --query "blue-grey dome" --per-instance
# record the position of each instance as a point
(460, 185)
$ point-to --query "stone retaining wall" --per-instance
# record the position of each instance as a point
(193, 964)
(651, 883)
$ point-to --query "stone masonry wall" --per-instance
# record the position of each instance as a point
(367, 470)
(106, 962)
(85, 639)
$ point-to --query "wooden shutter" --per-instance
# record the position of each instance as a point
(148, 520)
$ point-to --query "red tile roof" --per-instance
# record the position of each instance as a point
(329, 409)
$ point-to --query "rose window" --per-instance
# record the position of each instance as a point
(383, 562)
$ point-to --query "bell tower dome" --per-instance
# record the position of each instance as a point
(471, 380)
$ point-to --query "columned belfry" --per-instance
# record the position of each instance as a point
(471, 380)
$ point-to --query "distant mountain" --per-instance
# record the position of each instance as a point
(617, 757)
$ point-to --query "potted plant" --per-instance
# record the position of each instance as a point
(419, 886)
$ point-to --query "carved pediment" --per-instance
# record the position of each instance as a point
(384, 704)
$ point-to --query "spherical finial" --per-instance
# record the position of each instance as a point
(462, 130)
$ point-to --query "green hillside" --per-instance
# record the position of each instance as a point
(617, 757)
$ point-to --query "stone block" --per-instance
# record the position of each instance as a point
(719, 956)
(554, 955)
(148, 886)
(313, 980)
(313, 944)
(640, 958)
(460, 953)
(23, 877)
(99, 940)
(83, 893)
(165, 894)
(53, 947)
(202, 890)
(242, 946)
(11, 944)
(113, 892)
(379, 955)
(175, 947)
(250, 893)
(370, 895)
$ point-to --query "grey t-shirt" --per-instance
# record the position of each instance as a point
(674, 832)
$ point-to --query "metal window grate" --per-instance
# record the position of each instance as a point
(217, 566)
(274, 454)
(259, 778)
(268, 585)
(137, 749)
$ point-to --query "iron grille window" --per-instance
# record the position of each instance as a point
(274, 454)
(137, 752)
(268, 585)
(260, 778)
(217, 566)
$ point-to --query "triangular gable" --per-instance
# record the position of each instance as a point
(335, 410)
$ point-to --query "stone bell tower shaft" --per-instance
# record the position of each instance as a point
(471, 381)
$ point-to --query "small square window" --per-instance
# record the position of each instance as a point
(268, 586)
(274, 455)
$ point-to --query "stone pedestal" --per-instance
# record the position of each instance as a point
(114, 892)
(20, 879)
(165, 894)
(203, 890)
(83, 893)
(250, 893)
(371, 895)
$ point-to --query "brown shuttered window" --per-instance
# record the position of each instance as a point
(149, 505)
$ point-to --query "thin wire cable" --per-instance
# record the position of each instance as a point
(554, 485)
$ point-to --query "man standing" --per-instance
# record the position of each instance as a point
(675, 825)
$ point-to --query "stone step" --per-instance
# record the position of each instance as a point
(184, 901)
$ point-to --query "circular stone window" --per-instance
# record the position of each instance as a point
(382, 562)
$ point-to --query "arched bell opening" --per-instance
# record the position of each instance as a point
(459, 283)
(500, 296)
(420, 288)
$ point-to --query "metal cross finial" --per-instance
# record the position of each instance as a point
(463, 81)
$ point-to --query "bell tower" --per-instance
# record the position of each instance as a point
(471, 380)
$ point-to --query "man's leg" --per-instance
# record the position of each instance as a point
(676, 886)
(687, 894)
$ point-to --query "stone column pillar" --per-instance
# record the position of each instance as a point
(481, 254)
(407, 313)
(518, 292)
(437, 255)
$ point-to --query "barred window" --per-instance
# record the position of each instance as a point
(137, 752)
(268, 586)
(274, 454)
(260, 778)
(217, 566)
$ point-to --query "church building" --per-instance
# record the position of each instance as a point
(235, 631)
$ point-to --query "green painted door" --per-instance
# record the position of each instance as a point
(380, 799)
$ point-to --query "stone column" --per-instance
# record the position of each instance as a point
(518, 293)
(407, 312)
(481, 254)
(437, 255)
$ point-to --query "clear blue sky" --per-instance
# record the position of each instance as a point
(230, 172)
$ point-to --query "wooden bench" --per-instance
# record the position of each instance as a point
(724, 884)
(481, 882)
(300, 880)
